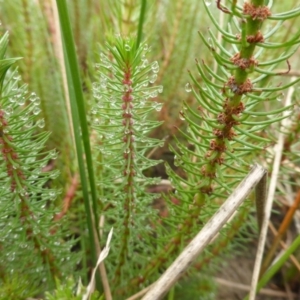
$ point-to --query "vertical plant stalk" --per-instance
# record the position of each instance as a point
(172, 40)
(29, 40)
(237, 85)
(102, 269)
(80, 127)
(141, 23)
(177, 77)
(260, 200)
(122, 105)
(268, 207)
(129, 165)
(53, 23)
(126, 22)
(219, 37)
(77, 33)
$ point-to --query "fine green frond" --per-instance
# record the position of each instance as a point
(226, 139)
(201, 142)
(36, 246)
(120, 116)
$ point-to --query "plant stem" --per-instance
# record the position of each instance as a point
(141, 23)
(79, 125)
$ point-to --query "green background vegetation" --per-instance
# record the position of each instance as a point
(170, 29)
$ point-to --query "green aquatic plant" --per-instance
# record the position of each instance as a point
(35, 248)
(230, 110)
(124, 98)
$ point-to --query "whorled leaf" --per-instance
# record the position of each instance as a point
(33, 244)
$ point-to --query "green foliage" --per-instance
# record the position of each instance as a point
(228, 119)
(35, 246)
(224, 122)
(39, 65)
(17, 287)
(70, 290)
(198, 287)
(123, 97)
